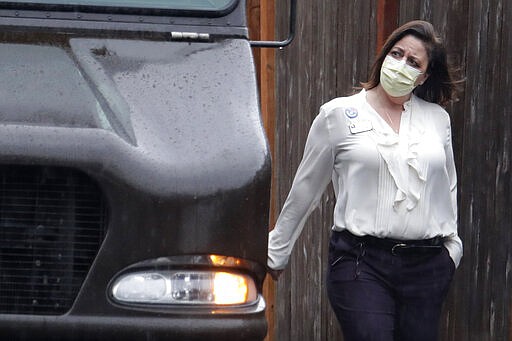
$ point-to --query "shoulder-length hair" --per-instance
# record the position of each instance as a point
(440, 87)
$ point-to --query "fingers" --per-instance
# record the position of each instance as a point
(274, 273)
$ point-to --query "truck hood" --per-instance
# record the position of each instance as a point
(165, 116)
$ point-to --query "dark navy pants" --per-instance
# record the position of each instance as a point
(380, 296)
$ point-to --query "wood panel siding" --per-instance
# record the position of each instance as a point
(260, 16)
(334, 48)
(318, 66)
(479, 306)
(387, 20)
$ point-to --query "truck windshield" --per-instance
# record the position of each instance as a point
(185, 5)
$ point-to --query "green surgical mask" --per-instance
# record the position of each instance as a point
(397, 78)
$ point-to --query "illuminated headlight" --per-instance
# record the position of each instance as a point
(184, 287)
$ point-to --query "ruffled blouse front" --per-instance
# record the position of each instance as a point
(389, 185)
(403, 165)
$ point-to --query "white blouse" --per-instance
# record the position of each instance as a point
(401, 186)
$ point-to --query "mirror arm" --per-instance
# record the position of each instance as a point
(291, 32)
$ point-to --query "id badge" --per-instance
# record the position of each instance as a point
(360, 126)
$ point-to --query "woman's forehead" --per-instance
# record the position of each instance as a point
(412, 45)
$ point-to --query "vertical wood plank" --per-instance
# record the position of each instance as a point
(254, 26)
(260, 15)
(478, 307)
(504, 165)
(387, 20)
(267, 95)
(308, 74)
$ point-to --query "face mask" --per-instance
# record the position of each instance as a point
(397, 78)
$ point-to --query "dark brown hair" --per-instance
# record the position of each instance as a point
(440, 87)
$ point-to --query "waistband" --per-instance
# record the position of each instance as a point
(395, 246)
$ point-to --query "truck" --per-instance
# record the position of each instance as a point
(134, 172)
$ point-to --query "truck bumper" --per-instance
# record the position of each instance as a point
(28, 327)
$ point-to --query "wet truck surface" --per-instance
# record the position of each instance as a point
(134, 172)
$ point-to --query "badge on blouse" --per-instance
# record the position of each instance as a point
(360, 126)
(351, 112)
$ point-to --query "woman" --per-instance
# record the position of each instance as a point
(388, 151)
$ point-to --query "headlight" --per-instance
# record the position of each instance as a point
(184, 287)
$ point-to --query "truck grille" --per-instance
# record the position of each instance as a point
(52, 223)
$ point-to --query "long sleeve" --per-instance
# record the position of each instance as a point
(312, 177)
(350, 144)
(453, 242)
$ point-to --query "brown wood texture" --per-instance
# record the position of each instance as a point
(319, 65)
(267, 95)
(387, 20)
(479, 38)
(331, 54)
(261, 14)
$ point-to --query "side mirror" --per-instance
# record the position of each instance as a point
(291, 31)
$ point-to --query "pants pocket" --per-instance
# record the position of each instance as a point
(344, 258)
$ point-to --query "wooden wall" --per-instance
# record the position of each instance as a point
(331, 53)
(334, 47)
(480, 39)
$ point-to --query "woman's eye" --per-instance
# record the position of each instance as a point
(413, 63)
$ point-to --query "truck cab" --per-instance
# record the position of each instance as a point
(134, 172)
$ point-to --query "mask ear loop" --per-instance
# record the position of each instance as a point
(424, 80)
(427, 75)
